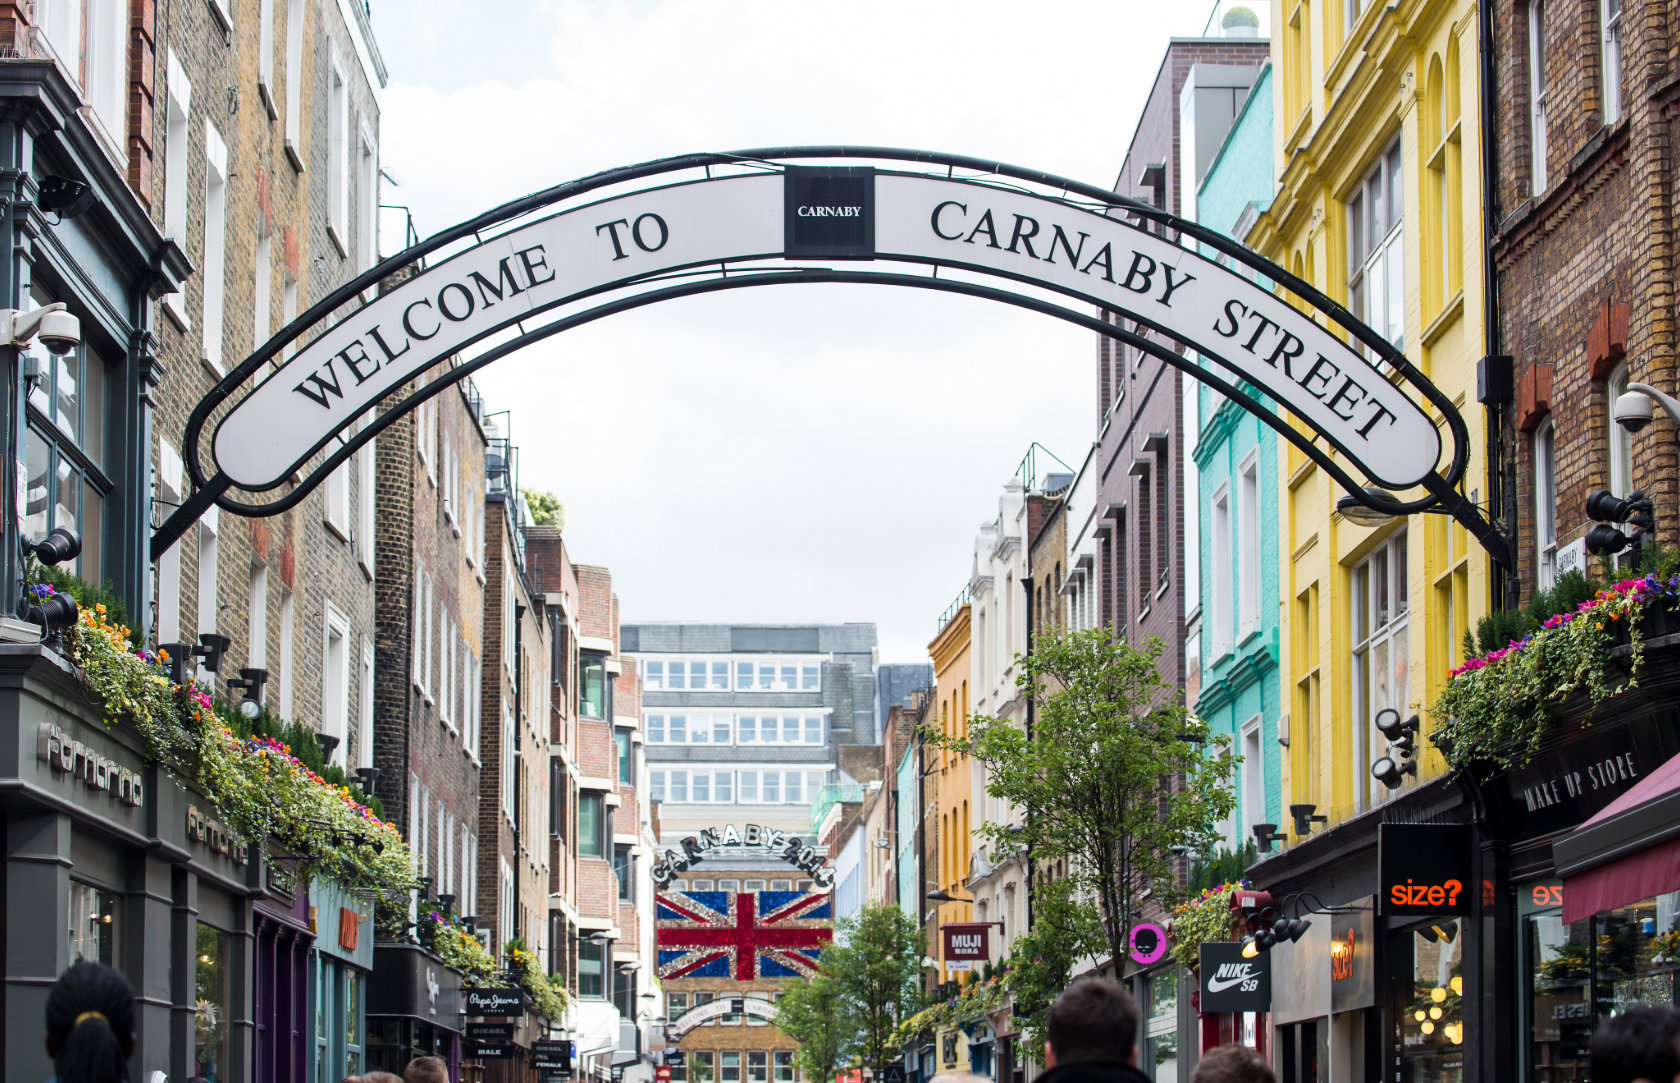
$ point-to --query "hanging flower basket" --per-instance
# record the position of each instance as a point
(1494, 710)
(1204, 919)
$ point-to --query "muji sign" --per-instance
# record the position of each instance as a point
(965, 943)
(1037, 241)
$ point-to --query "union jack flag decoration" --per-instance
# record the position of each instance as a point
(764, 934)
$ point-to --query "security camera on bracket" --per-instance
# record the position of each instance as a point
(52, 324)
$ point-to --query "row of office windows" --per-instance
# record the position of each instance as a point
(736, 787)
(742, 885)
(726, 1066)
(724, 675)
(726, 729)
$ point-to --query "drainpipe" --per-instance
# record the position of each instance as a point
(1028, 584)
(1501, 464)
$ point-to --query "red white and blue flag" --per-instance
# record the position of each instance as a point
(764, 934)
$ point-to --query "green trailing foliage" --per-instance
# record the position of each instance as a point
(546, 509)
(88, 596)
(1227, 866)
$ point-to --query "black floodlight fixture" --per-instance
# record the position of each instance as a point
(212, 648)
(252, 682)
(60, 545)
(1304, 818)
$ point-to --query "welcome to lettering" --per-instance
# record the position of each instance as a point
(423, 319)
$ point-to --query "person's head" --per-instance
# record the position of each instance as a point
(1232, 1063)
(90, 1024)
(1093, 1020)
(1638, 1044)
(426, 1070)
(375, 1077)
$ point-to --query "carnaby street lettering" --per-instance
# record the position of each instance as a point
(829, 212)
(1175, 289)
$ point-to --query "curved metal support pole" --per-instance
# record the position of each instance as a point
(216, 487)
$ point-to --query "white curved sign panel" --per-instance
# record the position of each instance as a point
(588, 250)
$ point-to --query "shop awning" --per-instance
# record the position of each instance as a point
(1628, 852)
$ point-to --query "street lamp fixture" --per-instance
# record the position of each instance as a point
(944, 896)
(1356, 511)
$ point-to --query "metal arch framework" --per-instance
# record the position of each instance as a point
(748, 269)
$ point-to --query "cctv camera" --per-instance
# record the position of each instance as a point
(1633, 411)
(60, 332)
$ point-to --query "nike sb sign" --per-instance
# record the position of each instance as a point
(1231, 983)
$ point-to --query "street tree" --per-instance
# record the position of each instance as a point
(876, 962)
(1114, 778)
(811, 1013)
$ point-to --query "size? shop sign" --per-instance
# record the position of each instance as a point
(1231, 983)
(1423, 868)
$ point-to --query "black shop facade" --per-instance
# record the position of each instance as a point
(1481, 926)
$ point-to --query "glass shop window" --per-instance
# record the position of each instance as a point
(64, 451)
(729, 1064)
(1431, 1009)
(1575, 976)
(784, 1065)
(1161, 1029)
(352, 1022)
(94, 926)
(210, 998)
(758, 1066)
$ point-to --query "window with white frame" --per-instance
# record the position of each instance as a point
(287, 632)
(1610, 20)
(1376, 250)
(177, 100)
(367, 201)
(208, 529)
(335, 684)
(446, 670)
(1248, 547)
(215, 244)
(760, 786)
(1253, 780)
(1545, 504)
(508, 766)
(1381, 654)
(364, 742)
(338, 153)
(1621, 441)
(1537, 95)
(1220, 620)
(294, 82)
(256, 625)
(265, 56)
(366, 489)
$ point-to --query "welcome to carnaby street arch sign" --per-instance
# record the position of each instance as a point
(705, 222)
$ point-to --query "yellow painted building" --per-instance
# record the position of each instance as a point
(1379, 207)
(949, 817)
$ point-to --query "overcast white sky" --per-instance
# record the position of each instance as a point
(820, 453)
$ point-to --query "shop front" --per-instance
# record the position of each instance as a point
(337, 974)
(1379, 983)
(110, 860)
(414, 1009)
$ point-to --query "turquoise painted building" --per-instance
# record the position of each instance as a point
(1236, 509)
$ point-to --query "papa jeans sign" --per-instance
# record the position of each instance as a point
(580, 254)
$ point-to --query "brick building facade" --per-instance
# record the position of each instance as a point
(266, 178)
(513, 872)
(1583, 251)
(429, 595)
